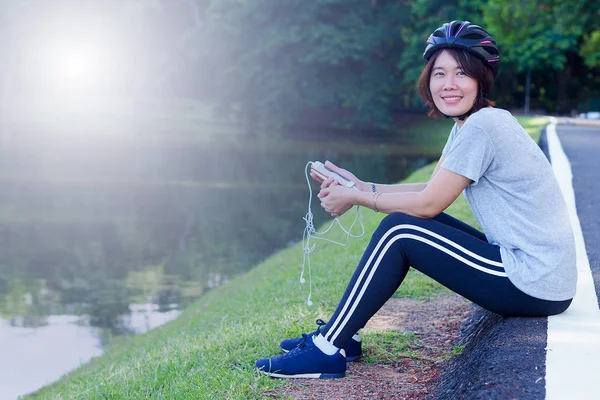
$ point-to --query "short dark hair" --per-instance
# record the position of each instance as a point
(472, 66)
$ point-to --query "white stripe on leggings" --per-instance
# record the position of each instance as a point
(334, 332)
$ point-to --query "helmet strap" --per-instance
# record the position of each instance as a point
(460, 117)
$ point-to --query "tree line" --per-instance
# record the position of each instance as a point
(349, 63)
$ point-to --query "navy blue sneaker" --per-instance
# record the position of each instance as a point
(304, 361)
(353, 348)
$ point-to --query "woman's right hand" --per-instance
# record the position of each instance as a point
(360, 185)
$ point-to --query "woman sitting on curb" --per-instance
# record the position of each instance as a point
(524, 264)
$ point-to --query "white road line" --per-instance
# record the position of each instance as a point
(573, 349)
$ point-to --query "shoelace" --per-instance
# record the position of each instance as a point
(320, 324)
(302, 346)
(306, 336)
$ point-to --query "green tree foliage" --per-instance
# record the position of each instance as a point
(551, 38)
(536, 34)
(273, 61)
(590, 49)
(352, 63)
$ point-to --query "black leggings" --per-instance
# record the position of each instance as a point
(443, 248)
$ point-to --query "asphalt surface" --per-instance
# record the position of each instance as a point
(504, 358)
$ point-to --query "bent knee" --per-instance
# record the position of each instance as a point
(395, 219)
(398, 218)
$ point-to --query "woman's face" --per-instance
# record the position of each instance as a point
(453, 92)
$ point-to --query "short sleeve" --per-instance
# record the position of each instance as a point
(450, 139)
(470, 153)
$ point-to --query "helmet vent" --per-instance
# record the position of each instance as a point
(475, 36)
(454, 29)
(491, 50)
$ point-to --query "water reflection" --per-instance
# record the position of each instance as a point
(105, 239)
(33, 357)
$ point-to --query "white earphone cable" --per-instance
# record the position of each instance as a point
(310, 232)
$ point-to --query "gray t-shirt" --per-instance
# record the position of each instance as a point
(517, 201)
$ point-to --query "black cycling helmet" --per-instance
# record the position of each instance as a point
(464, 34)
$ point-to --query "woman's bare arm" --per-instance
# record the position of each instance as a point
(441, 191)
(408, 187)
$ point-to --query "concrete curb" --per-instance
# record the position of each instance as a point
(503, 359)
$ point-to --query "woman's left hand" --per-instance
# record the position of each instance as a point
(336, 199)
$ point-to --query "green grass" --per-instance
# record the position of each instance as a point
(383, 347)
(209, 351)
(533, 125)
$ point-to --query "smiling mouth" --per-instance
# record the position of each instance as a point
(452, 98)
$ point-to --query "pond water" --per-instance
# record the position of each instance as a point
(102, 238)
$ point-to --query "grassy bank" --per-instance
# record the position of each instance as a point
(209, 351)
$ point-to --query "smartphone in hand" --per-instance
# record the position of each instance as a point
(319, 169)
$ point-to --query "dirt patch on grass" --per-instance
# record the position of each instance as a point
(435, 322)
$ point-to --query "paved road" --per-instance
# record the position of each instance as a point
(505, 358)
